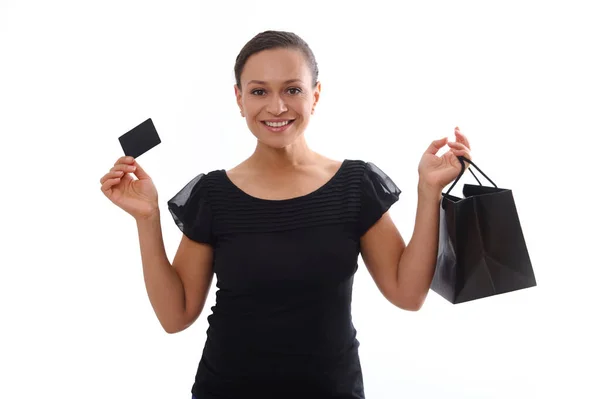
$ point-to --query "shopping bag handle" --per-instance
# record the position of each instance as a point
(462, 171)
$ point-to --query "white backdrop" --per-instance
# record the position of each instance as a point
(520, 79)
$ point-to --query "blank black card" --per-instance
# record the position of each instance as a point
(140, 139)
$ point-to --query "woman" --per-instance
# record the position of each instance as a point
(282, 231)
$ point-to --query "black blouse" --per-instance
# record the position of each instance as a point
(282, 326)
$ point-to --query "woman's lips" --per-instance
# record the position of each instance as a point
(278, 125)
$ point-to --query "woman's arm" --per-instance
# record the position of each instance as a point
(177, 292)
(403, 273)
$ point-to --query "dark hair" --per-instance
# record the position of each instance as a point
(269, 40)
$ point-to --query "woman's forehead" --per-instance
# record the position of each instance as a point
(276, 66)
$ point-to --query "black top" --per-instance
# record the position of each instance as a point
(282, 326)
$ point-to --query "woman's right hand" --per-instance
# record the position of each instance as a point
(138, 197)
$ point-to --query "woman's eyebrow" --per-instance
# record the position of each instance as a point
(262, 82)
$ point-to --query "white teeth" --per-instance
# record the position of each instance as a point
(277, 124)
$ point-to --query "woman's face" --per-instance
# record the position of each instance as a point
(277, 97)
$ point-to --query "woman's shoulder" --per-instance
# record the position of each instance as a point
(345, 166)
(201, 183)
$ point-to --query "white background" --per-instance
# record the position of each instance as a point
(520, 79)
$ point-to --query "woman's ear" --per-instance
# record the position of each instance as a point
(238, 98)
(316, 96)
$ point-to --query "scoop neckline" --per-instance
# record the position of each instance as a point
(284, 200)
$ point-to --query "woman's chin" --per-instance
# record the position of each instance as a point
(277, 140)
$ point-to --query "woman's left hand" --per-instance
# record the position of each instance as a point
(437, 172)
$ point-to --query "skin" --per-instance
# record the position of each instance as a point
(276, 85)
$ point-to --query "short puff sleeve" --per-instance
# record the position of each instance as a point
(378, 194)
(190, 209)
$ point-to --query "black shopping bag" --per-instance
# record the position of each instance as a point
(482, 251)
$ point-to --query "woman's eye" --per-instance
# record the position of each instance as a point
(291, 90)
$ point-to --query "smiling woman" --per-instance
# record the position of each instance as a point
(282, 232)
(277, 88)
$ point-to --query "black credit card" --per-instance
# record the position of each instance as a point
(140, 139)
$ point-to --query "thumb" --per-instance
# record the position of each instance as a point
(139, 172)
(436, 145)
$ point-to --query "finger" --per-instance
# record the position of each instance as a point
(125, 168)
(457, 146)
(139, 172)
(462, 153)
(125, 160)
(436, 145)
(109, 184)
(461, 138)
(111, 175)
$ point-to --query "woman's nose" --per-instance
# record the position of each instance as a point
(276, 105)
